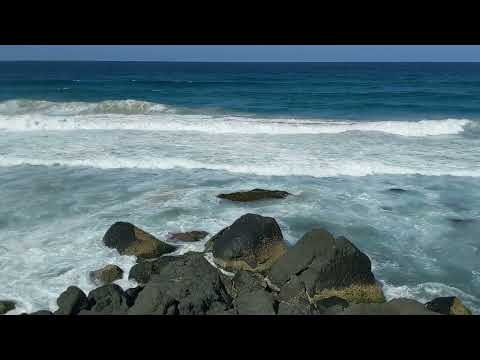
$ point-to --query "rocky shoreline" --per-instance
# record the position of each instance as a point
(253, 272)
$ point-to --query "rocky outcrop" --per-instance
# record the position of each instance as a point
(252, 243)
(6, 306)
(191, 236)
(130, 240)
(254, 195)
(450, 305)
(143, 270)
(328, 267)
(108, 299)
(393, 307)
(71, 301)
(188, 285)
(251, 296)
(106, 275)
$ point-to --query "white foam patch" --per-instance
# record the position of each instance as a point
(425, 292)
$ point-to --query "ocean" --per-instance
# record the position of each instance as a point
(86, 144)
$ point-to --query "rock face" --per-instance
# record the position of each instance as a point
(106, 275)
(71, 301)
(450, 305)
(254, 195)
(328, 267)
(6, 306)
(188, 285)
(130, 240)
(393, 307)
(108, 299)
(251, 296)
(252, 243)
(190, 236)
(143, 271)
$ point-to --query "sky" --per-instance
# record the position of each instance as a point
(242, 53)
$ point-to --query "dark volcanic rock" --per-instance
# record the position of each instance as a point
(143, 271)
(450, 305)
(328, 267)
(108, 299)
(393, 307)
(42, 312)
(106, 275)
(251, 296)
(6, 306)
(71, 301)
(130, 240)
(190, 236)
(252, 242)
(254, 195)
(187, 285)
(132, 294)
(397, 190)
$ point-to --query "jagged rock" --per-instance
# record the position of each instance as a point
(187, 285)
(71, 301)
(328, 267)
(450, 305)
(132, 294)
(190, 236)
(108, 299)
(106, 275)
(254, 195)
(252, 243)
(143, 270)
(6, 306)
(130, 240)
(251, 296)
(393, 307)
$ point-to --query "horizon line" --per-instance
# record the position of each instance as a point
(248, 61)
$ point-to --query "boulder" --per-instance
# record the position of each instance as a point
(293, 299)
(42, 312)
(251, 296)
(6, 306)
(108, 299)
(132, 294)
(143, 270)
(254, 195)
(328, 267)
(252, 243)
(187, 285)
(397, 190)
(106, 275)
(449, 305)
(331, 305)
(71, 301)
(190, 236)
(399, 306)
(130, 240)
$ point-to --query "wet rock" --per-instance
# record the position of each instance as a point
(397, 190)
(191, 236)
(450, 305)
(132, 294)
(108, 299)
(130, 240)
(42, 312)
(328, 267)
(71, 301)
(144, 270)
(254, 195)
(106, 275)
(252, 243)
(188, 285)
(6, 306)
(393, 307)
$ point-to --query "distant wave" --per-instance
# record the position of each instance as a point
(331, 169)
(23, 107)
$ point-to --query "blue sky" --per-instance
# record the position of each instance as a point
(242, 52)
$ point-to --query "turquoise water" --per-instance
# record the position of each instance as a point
(83, 145)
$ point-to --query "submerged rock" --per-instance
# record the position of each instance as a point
(450, 305)
(107, 274)
(143, 270)
(252, 243)
(397, 190)
(6, 306)
(130, 240)
(108, 299)
(393, 307)
(254, 195)
(71, 301)
(188, 285)
(190, 236)
(328, 267)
